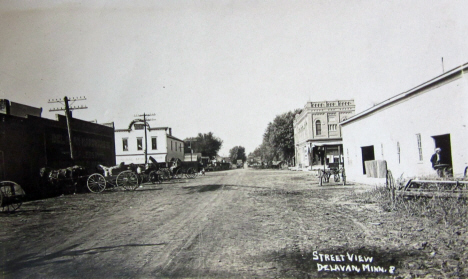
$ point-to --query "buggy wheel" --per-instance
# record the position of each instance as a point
(96, 183)
(190, 173)
(128, 180)
(11, 196)
(154, 177)
(336, 177)
(178, 173)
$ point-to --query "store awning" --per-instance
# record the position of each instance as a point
(327, 143)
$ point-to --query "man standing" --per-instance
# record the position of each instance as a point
(435, 160)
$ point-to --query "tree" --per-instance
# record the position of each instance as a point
(206, 144)
(237, 153)
(281, 136)
(278, 139)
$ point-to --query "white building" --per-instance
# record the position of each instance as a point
(405, 129)
(160, 144)
(317, 132)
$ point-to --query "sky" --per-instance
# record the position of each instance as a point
(227, 67)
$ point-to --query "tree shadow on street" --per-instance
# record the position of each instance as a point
(59, 257)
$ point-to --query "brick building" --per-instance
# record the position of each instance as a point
(29, 142)
(317, 132)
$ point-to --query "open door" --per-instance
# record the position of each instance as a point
(367, 155)
(443, 142)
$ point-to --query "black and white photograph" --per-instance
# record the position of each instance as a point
(233, 139)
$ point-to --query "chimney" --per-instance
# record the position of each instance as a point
(170, 131)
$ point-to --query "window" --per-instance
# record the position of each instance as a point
(180, 146)
(318, 128)
(139, 126)
(154, 143)
(418, 138)
(171, 144)
(332, 127)
(125, 144)
(139, 143)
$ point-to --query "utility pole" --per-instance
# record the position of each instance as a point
(146, 139)
(68, 116)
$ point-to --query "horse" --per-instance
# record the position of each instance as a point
(63, 180)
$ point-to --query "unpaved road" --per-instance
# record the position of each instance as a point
(230, 224)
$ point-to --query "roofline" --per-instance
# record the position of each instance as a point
(418, 89)
(149, 129)
(172, 137)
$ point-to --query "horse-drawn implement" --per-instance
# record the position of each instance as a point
(128, 177)
(179, 170)
(336, 170)
(11, 196)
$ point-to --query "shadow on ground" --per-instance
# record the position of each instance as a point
(59, 257)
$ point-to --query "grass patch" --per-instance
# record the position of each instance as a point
(441, 210)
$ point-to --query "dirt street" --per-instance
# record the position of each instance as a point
(238, 223)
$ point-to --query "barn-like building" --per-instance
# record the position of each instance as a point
(403, 131)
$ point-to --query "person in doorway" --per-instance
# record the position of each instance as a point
(437, 162)
(435, 159)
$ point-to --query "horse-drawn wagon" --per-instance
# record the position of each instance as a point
(128, 177)
(335, 170)
(11, 196)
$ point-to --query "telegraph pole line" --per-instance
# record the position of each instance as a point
(146, 138)
(68, 116)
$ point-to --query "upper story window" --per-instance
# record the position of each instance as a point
(332, 127)
(180, 146)
(154, 143)
(139, 126)
(139, 143)
(318, 128)
(171, 144)
(125, 144)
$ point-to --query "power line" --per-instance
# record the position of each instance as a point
(145, 123)
(68, 115)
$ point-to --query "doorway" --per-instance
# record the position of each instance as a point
(367, 155)
(443, 142)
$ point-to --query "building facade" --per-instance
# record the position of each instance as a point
(29, 143)
(404, 130)
(159, 143)
(317, 132)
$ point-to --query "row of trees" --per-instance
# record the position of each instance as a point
(206, 144)
(277, 144)
(209, 145)
(278, 139)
